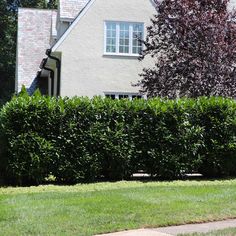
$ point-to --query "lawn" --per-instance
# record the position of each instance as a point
(108, 207)
(224, 232)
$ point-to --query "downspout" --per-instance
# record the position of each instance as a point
(43, 66)
(58, 65)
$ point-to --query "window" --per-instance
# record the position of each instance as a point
(136, 97)
(123, 96)
(111, 96)
(123, 38)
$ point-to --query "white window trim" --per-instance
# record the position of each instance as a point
(118, 38)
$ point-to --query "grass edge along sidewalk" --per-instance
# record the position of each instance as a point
(222, 232)
(90, 209)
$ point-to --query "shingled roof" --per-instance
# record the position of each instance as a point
(34, 34)
(69, 9)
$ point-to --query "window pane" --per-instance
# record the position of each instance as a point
(137, 36)
(135, 50)
(124, 26)
(124, 38)
(111, 41)
(124, 49)
(110, 49)
(138, 27)
(111, 37)
(122, 41)
(135, 43)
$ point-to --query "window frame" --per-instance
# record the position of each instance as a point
(117, 53)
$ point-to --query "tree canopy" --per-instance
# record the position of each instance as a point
(193, 45)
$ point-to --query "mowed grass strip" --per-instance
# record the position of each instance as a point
(224, 232)
(107, 207)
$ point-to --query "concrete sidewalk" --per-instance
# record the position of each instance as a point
(139, 232)
(175, 230)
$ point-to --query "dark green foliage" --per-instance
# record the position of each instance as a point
(81, 140)
(218, 123)
(165, 139)
(73, 142)
(7, 52)
(30, 155)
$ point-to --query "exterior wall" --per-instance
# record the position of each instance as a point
(86, 71)
(33, 37)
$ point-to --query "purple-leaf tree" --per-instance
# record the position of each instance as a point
(193, 45)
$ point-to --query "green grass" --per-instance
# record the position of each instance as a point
(108, 207)
(224, 232)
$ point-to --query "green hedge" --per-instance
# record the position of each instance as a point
(81, 140)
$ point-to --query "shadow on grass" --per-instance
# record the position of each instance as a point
(141, 177)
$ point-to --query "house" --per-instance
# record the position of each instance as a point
(91, 46)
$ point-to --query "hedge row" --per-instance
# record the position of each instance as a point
(79, 139)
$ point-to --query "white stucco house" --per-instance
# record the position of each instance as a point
(91, 47)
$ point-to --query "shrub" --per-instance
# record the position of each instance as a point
(217, 119)
(75, 161)
(30, 155)
(81, 140)
(3, 156)
(166, 145)
(28, 127)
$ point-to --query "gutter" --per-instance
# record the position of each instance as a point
(43, 66)
(58, 65)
